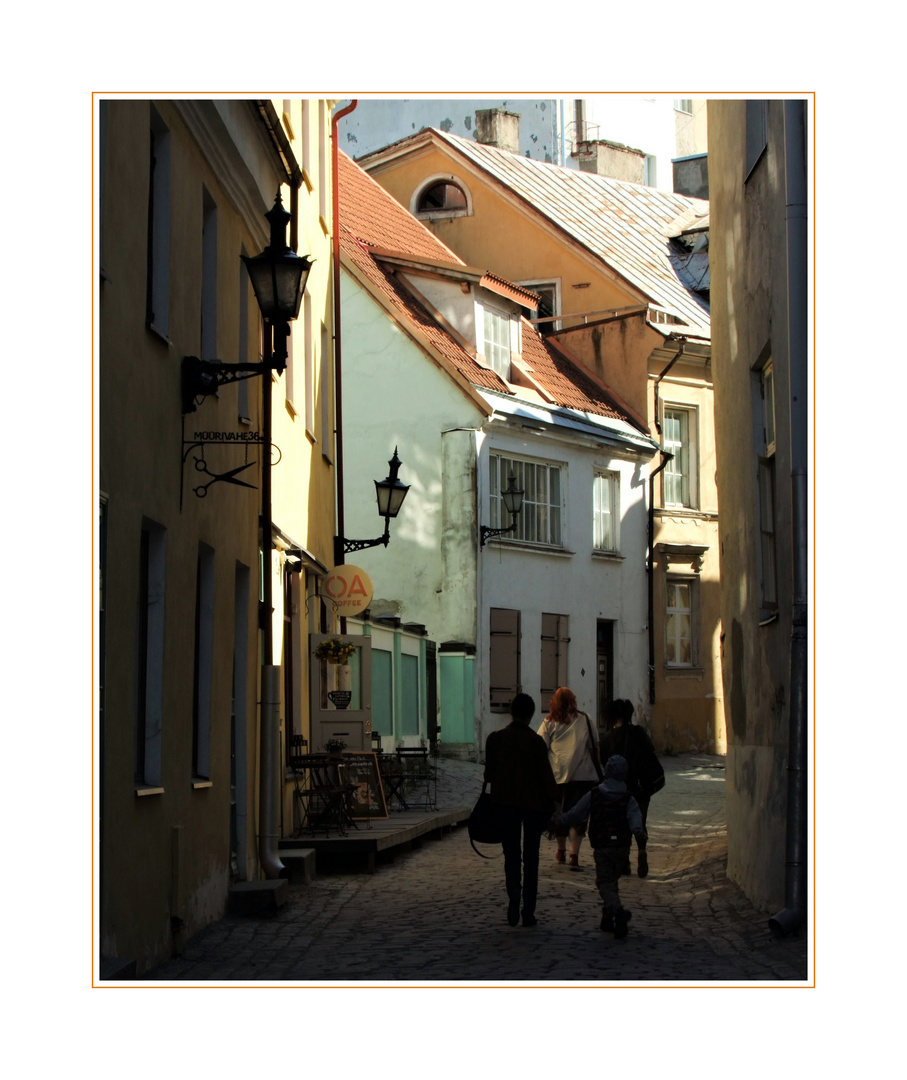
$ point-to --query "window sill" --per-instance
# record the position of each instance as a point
(159, 334)
(608, 556)
(684, 672)
(440, 215)
(197, 785)
(767, 617)
(143, 791)
(533, 549)
(686, 512)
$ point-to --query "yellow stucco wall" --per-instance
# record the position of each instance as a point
(165, 856)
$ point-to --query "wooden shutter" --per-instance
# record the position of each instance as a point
(504, 657)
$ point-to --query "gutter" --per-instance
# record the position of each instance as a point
(793, 916)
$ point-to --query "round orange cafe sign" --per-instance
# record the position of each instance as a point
(350, 588)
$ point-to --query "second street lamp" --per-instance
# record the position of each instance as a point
(391, 493)
(513, 504)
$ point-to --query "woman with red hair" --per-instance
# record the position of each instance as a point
(572, 743)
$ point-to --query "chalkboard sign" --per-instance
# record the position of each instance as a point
(367, 799)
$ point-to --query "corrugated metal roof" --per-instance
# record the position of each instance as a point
(629, 226)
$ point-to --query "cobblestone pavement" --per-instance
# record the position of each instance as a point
(436, 914)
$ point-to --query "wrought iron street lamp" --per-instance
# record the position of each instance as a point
(513, 504)
(391, 493)
(278, 277)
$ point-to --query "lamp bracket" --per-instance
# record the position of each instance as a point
(342, 546)
(487, 533)
(203, 377)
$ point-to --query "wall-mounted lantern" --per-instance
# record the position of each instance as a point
(513, 504)
(278, 276)
(391, 493)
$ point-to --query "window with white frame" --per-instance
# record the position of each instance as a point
(497, 341)
(679, 640)
(605, 511)
(548, 293)
(680, 475)
(541, 518)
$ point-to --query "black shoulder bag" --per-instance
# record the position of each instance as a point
(483, 823)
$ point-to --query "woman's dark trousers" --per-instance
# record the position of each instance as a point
(531, 824)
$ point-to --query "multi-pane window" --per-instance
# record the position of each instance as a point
(684, 105)
(679, 623)
(540, 521)
(497, 342)
(677, 483)
(605, 513)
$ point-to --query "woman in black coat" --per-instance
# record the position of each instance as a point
(523, 791)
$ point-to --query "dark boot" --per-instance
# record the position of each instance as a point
(620, 923)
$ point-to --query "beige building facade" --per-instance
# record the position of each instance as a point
(758, 167)
(182, 190)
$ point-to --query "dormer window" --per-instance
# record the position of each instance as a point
(497, 342)
(441, 196)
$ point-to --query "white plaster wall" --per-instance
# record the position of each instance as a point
(580, 585)
(393, 395)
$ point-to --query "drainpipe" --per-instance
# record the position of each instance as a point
(793, 916)
(665, 458)
(338, 381)
(268, 790)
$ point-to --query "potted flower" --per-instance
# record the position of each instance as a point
(335, 650)
(335, 746)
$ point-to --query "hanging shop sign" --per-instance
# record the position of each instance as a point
(350, 588)
(205, 475)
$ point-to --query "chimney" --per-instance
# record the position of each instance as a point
(691, 175)
(614, 160)
(496, 127)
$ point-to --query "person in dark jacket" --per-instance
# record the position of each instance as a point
(633, 744)
(523, 791)
(614, 816)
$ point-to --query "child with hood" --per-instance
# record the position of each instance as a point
(614, 817)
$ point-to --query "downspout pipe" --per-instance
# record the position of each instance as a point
(665, 458)
(793, 915)
(338, 367)
(269, 705)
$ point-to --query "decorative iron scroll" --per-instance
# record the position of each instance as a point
(202, 439)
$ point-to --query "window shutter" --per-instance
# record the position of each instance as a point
(504, 677)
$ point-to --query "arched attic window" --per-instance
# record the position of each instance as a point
(441, 196)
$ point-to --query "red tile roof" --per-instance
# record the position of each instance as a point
(371, 220)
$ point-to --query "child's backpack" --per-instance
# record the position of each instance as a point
(608, 827)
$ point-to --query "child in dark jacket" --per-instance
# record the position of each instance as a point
(614, 817)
